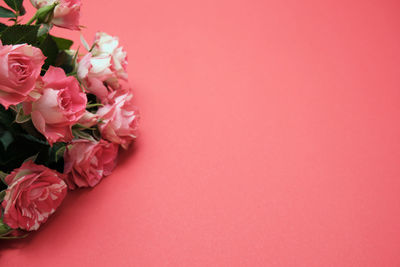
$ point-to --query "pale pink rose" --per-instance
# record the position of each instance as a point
(34, 193)
(93, 72)
(20, 66)
(119, 119)
(60, 104)
(87, 162)
(66, 13)
(102, 69)
(105, 45)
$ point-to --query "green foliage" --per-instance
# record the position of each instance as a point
(21, 117)
(4, 229)
(19, 141)
(6, 138)
(62, 44)
(6, 13)
(65, 61)
(50, 50)
(45, 13)
(52, 157)
(16, 5)
(3, 27)
(19, 34)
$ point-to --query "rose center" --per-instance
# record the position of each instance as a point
(65, 100)
(20, 70)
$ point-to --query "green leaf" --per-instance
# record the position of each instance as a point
(6, 13)
(57, 151)
(3, 27)
(14, 237)
(52, 157)
(44, 30)
(2, 194)
(83, 135)
(64, 61)
(45, 12)
(21, 117)
(50, 50)
(22, 10)
(62, 44)
(6, 139)
(14, 4)
(33, 158)
(5, 116)
(33, 139)
(94, 105)
(19, 34)
(3, 175)
(78, 126)
(4, 229)
(3, 184)
(23, 145)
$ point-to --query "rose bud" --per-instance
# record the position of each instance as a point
(66, 13)
(34, 193)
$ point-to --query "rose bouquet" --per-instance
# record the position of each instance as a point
(64, 114)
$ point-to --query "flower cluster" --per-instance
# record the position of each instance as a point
(64, 114)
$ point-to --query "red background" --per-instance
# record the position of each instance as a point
(270, 137)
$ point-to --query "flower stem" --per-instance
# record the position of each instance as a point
(32, 20)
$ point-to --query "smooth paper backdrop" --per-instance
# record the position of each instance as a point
(270, 136)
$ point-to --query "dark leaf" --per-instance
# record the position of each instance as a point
(15, 144)
(22, 10)
(2, 194)
(52, 157)
(62, 44)
(57, 151)
(14, 4)
(83, 135)
(3, 27)
(6, 116)
(6, 13)
(3, 175)
(4, 228)
(19, 34)
(50, 50)
(6, 139)
(33, 139)
(64, 61)
(21, 117)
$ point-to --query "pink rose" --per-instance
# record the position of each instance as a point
(108, 45)
(93, 72)
(60, 104)
(87, 162)
(101, 69)
(66, 13)
(34, 192)
(20, 66)
(119, 119)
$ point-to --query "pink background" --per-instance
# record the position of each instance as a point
(270, 137)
